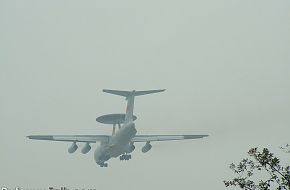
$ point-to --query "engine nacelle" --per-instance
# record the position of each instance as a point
(86, 148)
(73, 148)
(147, 147)
(131, 148)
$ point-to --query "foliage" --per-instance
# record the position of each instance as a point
(278, 177)
(286, 148)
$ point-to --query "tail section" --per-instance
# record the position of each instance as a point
(130, 99)
(128, 93)
(117, 92)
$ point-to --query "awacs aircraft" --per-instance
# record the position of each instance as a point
(121, 142)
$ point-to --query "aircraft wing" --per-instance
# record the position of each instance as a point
(149, 138)
(71, 138)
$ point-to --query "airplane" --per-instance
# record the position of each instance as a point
(121, 142)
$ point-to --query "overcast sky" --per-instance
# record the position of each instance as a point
(225, 65)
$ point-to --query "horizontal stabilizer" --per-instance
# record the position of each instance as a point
(117, 92)
(134, 93)
(140, 93)
(130, 95)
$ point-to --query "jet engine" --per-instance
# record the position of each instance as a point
(147, 147)
(86, 148)
(73, 147)
(131, 148)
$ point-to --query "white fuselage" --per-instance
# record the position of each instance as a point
(117, 145)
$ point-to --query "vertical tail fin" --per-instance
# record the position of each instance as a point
(130, 99)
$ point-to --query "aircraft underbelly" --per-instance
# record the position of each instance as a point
(116, 151)
(121, 140)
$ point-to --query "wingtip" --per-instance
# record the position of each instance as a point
(194, 136)
(40, 137)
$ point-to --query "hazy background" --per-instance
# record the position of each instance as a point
(225, 65)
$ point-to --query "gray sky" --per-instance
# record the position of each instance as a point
(225, 65)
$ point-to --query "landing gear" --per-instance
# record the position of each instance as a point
(125, 157)
(104, 165)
